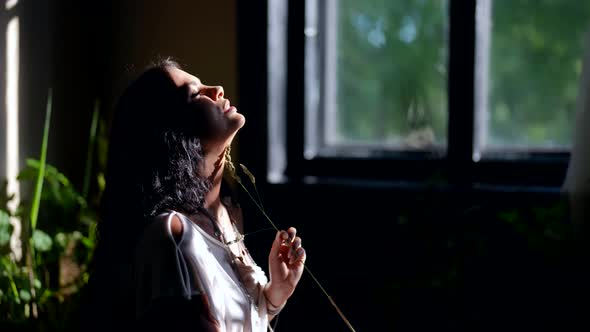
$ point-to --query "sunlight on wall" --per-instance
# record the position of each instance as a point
(10, 4)
(12, 143)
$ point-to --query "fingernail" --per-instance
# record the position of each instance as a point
(285, 236)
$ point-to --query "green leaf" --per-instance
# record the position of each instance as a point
(87, 242)
(61, 239)
(5, 228)
(25, 295)
(100, 178)
(76, 235)
(46, 295)
(27, 173)
(40, 175)
(41, 241)
(51, 172)
(33, 163)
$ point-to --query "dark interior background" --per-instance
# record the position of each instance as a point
(394, 257)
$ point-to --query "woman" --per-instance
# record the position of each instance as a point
(170, 252)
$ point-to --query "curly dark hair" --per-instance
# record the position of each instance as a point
(154, 157)
(155, 151)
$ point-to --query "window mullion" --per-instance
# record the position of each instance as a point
(295, 88)
(461, 89)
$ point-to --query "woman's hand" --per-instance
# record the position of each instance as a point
(285, 263)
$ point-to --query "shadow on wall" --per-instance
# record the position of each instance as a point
(410, 261)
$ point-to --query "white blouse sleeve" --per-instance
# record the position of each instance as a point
(162, 265)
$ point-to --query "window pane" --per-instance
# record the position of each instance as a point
(390, 74)
(535, 62)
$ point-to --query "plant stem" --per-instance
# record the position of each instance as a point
(31, 272)
(13, 288)
(37, 202)
(90, 155)
(42, 161)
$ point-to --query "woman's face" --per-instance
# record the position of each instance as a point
(218, 121)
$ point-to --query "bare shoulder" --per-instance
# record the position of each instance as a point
(176, 227)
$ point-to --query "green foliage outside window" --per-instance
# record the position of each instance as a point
(392, 71)
(536, 62)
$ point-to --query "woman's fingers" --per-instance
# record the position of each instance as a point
(287, 247)
(277, 243)
(294, 246)
(301, 256)
(281, 243)
(291, 232)
(296, 243)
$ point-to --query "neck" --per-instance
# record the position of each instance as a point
(214, 164)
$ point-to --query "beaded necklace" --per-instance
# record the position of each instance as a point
(221, 237)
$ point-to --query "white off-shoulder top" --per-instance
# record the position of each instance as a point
(199, 263)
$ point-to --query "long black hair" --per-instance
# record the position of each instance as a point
(154, 158)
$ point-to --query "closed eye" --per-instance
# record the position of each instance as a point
(194, 90)
(195, 94)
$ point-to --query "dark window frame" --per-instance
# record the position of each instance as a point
(538, 169)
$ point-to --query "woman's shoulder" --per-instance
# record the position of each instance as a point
(166, 226)
(176, 226)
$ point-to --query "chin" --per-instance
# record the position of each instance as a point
(241, 121)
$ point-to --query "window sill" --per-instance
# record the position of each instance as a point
(415, 186)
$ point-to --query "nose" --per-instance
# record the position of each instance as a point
(215, 92)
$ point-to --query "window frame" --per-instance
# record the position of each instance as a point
(529, 169)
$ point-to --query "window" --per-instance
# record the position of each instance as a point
(381, 69)
(382, 72)
(470, 91)
(529, 56)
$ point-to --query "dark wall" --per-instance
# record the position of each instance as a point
(417, 259)
(90, 51)
(63, 47)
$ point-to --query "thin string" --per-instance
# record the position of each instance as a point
(232, 171)
(220, 234)
(222, 239)
(240, 237)
(307, 269)
(258, 231)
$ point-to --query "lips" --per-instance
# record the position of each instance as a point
(227, 106)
